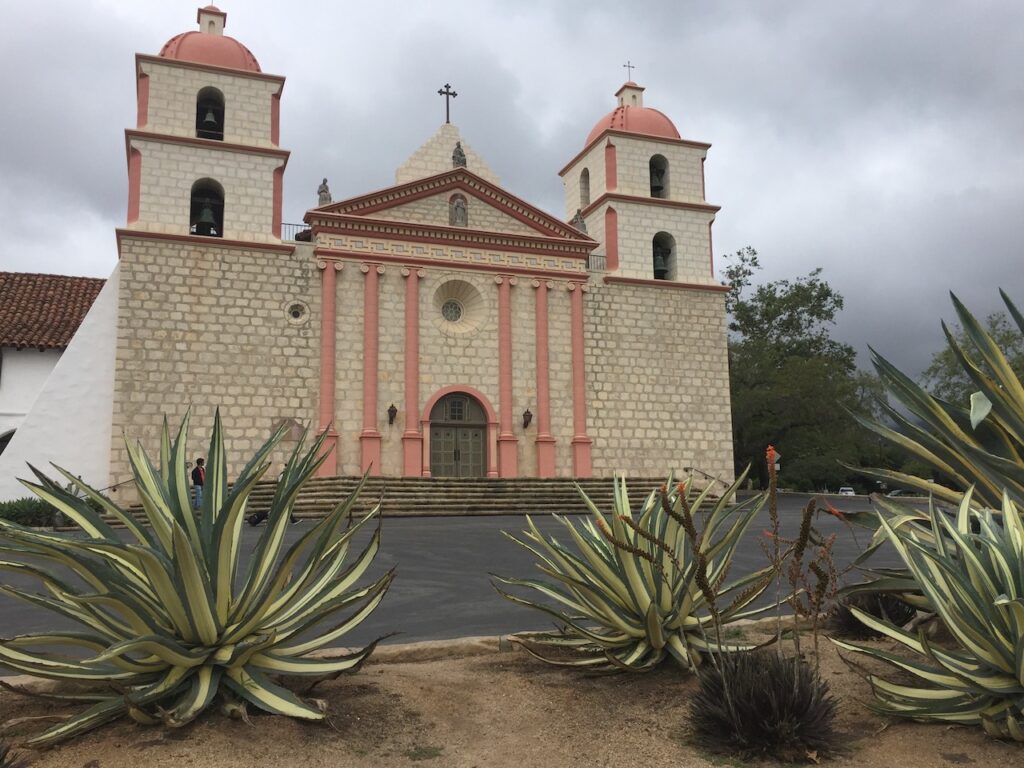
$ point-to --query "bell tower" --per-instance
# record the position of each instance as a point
(203, 158)
(638, 189)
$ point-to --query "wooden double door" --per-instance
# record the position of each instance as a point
(458, 437)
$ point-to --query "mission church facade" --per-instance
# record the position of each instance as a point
(439, 327)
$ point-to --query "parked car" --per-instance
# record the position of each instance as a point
(846, 491)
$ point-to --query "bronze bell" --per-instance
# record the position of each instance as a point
(210, 121)
(207, 224)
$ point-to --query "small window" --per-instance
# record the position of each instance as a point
(210, 114)
(585, 188)
(206, 213)
(451, 311)
(457, 409)
(659, 177)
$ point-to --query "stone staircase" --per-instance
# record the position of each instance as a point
(433, 497)
(436, 497)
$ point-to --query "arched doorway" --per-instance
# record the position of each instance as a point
(458, 437)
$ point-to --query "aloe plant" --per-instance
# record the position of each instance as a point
(167, 627)
(980, 443)
(974, 581)
(640, 589)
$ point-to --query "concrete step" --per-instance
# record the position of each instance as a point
(434, 497)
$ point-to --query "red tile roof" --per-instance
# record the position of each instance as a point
(43, 311)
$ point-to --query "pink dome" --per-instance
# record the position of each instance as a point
(215, 50)
(635, 120)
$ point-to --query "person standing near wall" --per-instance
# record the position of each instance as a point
(198, 480)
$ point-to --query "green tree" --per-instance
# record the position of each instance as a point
(791, 383)
(946, 378)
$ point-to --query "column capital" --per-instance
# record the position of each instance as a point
(413, 272)
(322, 264)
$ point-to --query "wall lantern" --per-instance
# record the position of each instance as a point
(392, 413)
(527, 418)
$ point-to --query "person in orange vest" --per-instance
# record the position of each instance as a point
(198, 480)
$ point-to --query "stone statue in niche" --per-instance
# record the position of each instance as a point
(458, 215)
(578, 222)
(458, 156)
(323, 193)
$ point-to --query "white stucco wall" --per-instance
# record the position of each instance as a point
(22, 375)
(69, 424)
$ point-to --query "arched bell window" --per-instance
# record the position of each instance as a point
(210, 114)
(458, 211)
(663, 256)
(659, 177)
(585, 188)
(206, 212)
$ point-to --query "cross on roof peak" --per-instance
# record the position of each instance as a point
(448, 94)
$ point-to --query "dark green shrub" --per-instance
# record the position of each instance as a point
(760, 705)
(881, 605)
(28, 511)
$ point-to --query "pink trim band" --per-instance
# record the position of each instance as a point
(275, 220)
(582, 465)
(611, 171)
(412, 438)
(545, 441)
(611, 239)
(134, 184)
(508, 461)
(142, 93)
(369, 438)
(328, 317)
(670, 284)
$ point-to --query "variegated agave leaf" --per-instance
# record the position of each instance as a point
(165, 623)
(970, 569)
(630, 590)
(977, 444)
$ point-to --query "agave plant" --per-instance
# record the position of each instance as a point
(975, 583)
(167, 627)
(978, 444)
(640, 589)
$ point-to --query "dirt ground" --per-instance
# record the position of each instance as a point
(497, 709)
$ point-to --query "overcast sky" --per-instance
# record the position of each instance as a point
(882, 141)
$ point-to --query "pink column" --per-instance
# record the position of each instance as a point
(611, 168)
(611, 239)
(507, 454)
(369, 438)
(328, 310)
(412, 439)
(545, 442)
(581, 443)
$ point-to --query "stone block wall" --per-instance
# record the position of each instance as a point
(685, 168)
(658, 380)
(174, 87)
(434, 210)
(449, 359)
(640, 222)
(208, 326)
(169, 171)
(435, 156)
(594, 162)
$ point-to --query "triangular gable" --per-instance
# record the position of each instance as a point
(410, 202)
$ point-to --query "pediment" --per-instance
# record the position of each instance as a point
(426, 202)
